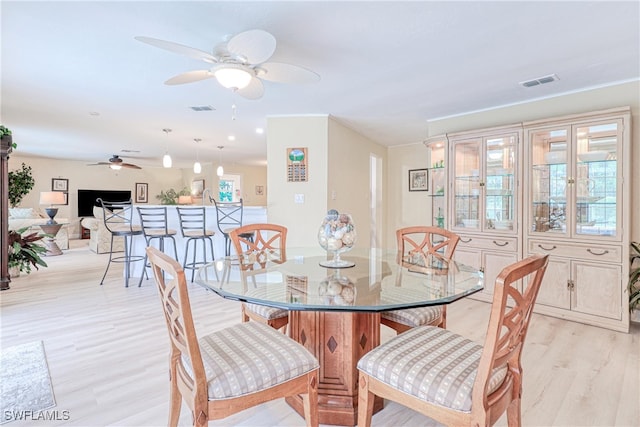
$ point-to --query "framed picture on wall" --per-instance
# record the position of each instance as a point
(259, 190)
(142, 192)
(59, 184)
(197, 187)
(419, 180)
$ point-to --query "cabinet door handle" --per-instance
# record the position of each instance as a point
(465, 241)
(547, 249)
(500, 244)
(595, 253)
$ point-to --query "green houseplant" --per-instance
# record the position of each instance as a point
(24, 252)
(634, 277)
(20, 183)
(170, 197)
(5, 133)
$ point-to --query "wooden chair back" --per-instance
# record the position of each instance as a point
(423, 241)
(268, 242)
(172, 286)
(508, 325)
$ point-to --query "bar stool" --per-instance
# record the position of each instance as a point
(193, 226)
(229, 216)
(117, 220)
(153, 221)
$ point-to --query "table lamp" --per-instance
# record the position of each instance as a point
(51, 198)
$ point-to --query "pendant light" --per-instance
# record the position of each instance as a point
(197, 167)
(166, 159)
(220, 170)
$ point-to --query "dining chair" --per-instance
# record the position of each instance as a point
(193, 227)
(257, 244)
(415, 246)
(216, 379)
(155, 227)
(117, 219)
(229, 217)
(450, 378)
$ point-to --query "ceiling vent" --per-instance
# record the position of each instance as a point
(202, 108)
(540, 81)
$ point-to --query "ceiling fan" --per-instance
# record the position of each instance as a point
(116, 163)
(238, 64)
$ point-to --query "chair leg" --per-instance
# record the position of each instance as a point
(109, 263)
(365, 402)
(127, 260)
(175, 404)
(514, 413)
(310, 401)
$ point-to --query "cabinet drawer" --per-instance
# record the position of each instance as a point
(589, 252)
(509, 244)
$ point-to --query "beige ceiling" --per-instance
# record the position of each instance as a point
(386, 69)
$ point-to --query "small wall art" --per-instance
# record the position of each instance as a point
(297, 165)
(142, 192)
(197, 187)
(419, 180)
(62, 185)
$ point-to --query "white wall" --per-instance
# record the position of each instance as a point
(349, 179)
(283, 133)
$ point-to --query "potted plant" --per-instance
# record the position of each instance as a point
(24, 252)
(20, 183)
(5, 134)
(170, 197)
(634, 281)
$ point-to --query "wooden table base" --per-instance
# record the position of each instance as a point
(338, 340)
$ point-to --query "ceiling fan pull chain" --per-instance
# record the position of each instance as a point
(233, 112)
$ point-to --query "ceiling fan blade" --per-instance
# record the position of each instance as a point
(254, 46)
(286, 73)
(254, 90)
(178, 48)
(130, 166)
(189, 77)
(99, 164)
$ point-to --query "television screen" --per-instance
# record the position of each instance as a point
(87, 199)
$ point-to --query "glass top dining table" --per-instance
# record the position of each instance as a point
(379, 281)
(335, 313)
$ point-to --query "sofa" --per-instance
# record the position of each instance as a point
(30, 218)
(100, 238)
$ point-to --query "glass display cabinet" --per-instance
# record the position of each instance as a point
(575, 180)
(484, 183)
(576, 211)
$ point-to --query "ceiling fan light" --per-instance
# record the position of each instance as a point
(220, 171)
(197, 167)
(231, 76)
(166, 161)
(115, 167)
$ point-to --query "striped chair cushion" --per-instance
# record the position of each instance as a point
(409, 316)
(431, 363)
(249, 357)
(268, 313)
(414, 316)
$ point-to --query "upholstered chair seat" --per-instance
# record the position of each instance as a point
(259, 358)
(432, 364)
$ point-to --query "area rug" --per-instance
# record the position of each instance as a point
(25, 384)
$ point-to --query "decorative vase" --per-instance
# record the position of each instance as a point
(337, 234)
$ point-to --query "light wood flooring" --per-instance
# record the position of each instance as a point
(107, 349)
